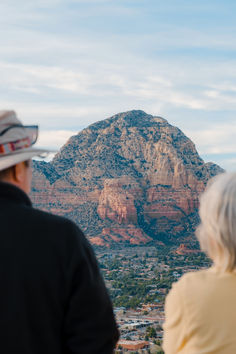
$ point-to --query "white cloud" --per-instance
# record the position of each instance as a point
(230, 165)
(54, 139)
(225, 86)
(61, 68)
(219, 139)
(36, 78)
(51, 116)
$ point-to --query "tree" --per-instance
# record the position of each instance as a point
(151, 332)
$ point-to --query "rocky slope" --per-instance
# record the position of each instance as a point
(128, 179)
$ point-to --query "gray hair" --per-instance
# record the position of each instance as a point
(217, 231)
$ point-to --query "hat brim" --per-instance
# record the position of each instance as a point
(9, 160)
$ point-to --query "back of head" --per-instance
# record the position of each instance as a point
(217, 231)
(16, 140)
(16, 149)
(9, 119)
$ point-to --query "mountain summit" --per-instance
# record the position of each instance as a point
(127, 179)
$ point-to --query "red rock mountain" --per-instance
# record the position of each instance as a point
(128, 179)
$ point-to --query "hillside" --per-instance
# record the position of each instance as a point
(127, 179)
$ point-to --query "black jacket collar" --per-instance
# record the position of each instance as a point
(13, 194)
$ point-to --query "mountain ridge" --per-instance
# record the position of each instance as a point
(127, 179)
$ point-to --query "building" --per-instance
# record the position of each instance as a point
(132, 345)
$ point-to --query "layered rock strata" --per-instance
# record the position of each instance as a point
(128, 179)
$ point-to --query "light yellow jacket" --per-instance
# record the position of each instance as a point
(200, 314)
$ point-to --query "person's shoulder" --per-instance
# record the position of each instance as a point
(51, 224)
(195, 275)
(188, 280)
(49, 218)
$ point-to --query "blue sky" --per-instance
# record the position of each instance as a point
(67, 63)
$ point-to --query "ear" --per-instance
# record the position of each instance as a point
(18, 173)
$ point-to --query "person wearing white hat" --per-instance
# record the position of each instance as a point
(52, 296)
(16, 141)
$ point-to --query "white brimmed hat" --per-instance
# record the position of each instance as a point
(16, 140)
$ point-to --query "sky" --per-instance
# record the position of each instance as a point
(65, 64)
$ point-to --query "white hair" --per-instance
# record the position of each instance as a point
(217, 231)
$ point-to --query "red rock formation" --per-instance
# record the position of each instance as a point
(117, 203)
(183, 249)
(129, 178)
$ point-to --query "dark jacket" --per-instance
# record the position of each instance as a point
(52, 296)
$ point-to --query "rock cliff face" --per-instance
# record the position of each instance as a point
(128, 179)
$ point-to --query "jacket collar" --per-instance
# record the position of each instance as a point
(13, 194)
